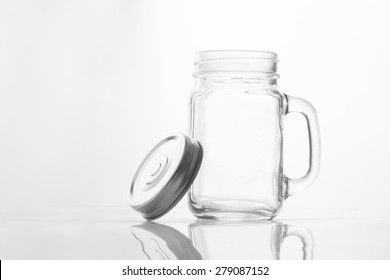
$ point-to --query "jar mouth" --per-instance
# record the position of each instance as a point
(234, 54)
(236, 63)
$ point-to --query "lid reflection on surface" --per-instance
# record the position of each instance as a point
(160, 242)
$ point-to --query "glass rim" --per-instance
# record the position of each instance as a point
(234, 54)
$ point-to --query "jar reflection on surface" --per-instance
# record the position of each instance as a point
(250, 240)
(217, 240)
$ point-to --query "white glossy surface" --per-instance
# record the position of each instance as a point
(110, 233)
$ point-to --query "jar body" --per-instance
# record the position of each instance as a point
(239, 126)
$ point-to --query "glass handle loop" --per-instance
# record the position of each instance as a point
(306, 238)
(299, 105)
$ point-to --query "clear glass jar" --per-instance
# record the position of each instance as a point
(236, 113)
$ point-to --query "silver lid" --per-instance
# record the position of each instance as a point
(165, 175)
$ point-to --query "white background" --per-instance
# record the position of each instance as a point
(88, 87)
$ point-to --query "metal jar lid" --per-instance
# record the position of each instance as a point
(165, 175)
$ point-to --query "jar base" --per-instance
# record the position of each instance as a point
(233, 216)
(239, 214)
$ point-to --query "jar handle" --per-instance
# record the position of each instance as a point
(306, 238)
(299, 105)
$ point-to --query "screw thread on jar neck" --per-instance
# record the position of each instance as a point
(235, 65)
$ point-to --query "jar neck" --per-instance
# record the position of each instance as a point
(257, 68)
(238, 81)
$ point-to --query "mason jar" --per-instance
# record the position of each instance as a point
(237, 114)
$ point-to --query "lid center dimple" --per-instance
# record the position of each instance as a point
(156, 170)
